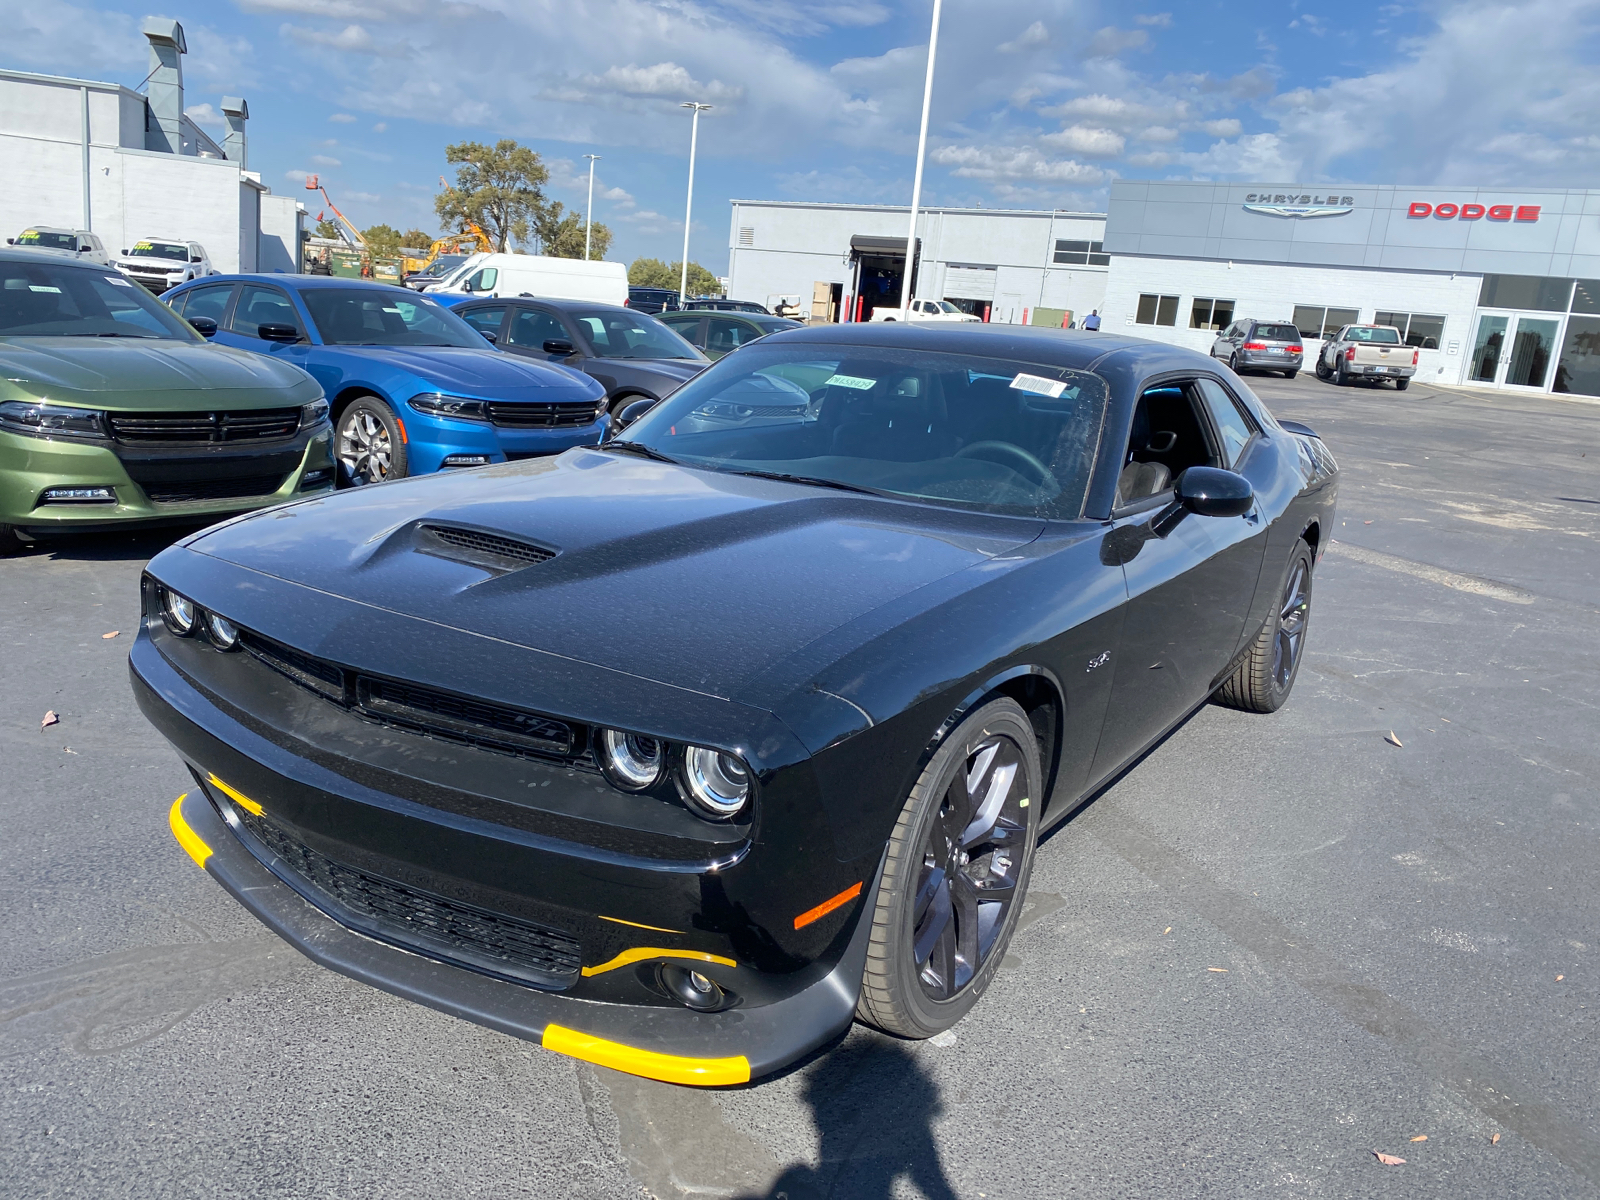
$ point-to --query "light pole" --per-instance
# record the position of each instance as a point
(694, 134)
(916, 185)
(588, 215)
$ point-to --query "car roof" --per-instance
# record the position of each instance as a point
(553, 302)
(31, 254)
(51, 229)
(305, 281)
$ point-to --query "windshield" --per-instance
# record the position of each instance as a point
(385, 317)
(62, 300)
(977, 433)
(946, 306)
(443, 265)
(622, 334)
(1373, 333)
(176, 251)
(50, 241)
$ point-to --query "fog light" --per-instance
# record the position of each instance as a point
(178, 612)
(78, 495)
(316, 479)
(465, 460)
(692, 989)
(716, 784)
(629, 761)
(223, 632)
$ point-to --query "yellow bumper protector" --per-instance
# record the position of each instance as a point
(641, 953)
(239, 798)
(669, 1068)
(637, 925)
(187, 838)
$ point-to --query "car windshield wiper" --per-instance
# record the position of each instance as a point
(150, 336)
(638, 448)
(813, 481)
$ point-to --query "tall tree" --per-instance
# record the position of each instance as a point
(652, 272)
(416, 239)
(561, 234)
(383, 241)
(329, 228)
(500, 187)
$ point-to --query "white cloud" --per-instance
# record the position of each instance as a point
(381, 127)
(342, 118)
(340, 10)
(1155, 20)
(352, 39)
(1034, 35)
(323, 160)
(204, 114)
(1226, 128)
(297, 176)
(1111, 41)
(361, 197)
(1013, 162)
(663, 81)
(1087, 139)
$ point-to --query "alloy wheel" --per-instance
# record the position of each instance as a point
(365, 450)
(1292, 612)
(971, 858)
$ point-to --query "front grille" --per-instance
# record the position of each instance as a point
(424, 710)
(239, 487)
(434, 925)
(544, 416)
(256, 425)
(488, 550)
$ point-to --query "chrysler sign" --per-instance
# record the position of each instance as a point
(1277, 204)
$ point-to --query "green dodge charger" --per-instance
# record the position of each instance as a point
(115, 412)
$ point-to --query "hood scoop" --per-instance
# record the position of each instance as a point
(489, 551)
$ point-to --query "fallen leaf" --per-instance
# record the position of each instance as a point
(1394, 741)
(1421, 1137)
(106, 637)
(1218, 970)
(50, 719)
(1495, 1140)
(1366, 522)
(1389, 1160)
(1166, 931)
(1559, 978)
(68, 750)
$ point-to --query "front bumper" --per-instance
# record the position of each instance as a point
(30, 465)
(431, 440)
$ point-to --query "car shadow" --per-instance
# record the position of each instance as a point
(874, 1106)
(139, 545)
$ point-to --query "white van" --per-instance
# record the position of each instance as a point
(535, 275)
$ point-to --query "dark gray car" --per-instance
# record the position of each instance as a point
(722, 333)
(632, 354)
(1251, 345)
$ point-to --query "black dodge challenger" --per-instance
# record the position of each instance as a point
(678, 753)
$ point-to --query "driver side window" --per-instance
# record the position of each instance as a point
(1166, 439)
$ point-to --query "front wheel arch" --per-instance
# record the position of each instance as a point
(1039, 693)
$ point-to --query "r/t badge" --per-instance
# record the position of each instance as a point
(1099, 660)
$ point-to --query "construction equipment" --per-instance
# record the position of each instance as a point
(471, 240)
(347, 230)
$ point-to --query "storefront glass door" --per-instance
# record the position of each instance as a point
(1514, 350)
(1486, 347)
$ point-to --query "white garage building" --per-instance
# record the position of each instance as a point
(843, 260)
(85, 155)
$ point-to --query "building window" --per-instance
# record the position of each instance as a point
(1420, 330)
(1315, 321)
(1092, 253)
(1157, 310)
(1210, 314)
(1525, 291)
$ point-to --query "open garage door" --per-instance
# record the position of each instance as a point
(970, 287)
(878, 267)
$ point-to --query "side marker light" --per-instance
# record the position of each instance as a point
(827, 906)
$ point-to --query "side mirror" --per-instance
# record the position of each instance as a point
(1206, 492)
(194, 258)
(271, 331)
(84, 249)
(492, 338)
(632, 412)
(466, 286)
(13, 242)
(559, 346)
(124, 252)
(204, 326)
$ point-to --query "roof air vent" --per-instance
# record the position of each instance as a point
(491, 551)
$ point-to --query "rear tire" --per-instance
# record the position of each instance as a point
(1233, 362)
(1401, 385)
(369, 446)
(1263, 681)
(1290, 374)
(1340, 379)
(11, 542)
(950, 897)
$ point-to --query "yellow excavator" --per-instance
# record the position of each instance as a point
(470, 240)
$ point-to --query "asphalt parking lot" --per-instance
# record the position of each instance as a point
(1276, 946)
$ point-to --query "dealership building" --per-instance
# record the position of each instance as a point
(1493, 287)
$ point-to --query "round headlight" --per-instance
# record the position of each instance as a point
(178, 612)
(629, 761)
(717, 784)
(224, 633)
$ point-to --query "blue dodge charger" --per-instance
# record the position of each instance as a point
(413, 388)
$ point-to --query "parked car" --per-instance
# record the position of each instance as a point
(72, 241)
(718, 304)
(1252, 345)
(653, 300)
(926, 311)
(115, 413)
(533, 275)
(413, 387)
(723, 333)
(162, 263)
(438, 269)
(631, 354)
(898, 597)
(1369, 352)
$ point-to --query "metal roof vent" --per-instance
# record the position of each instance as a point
(490, 551)
(234, 146)
(164, 96)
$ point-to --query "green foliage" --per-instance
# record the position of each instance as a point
(416, 239)
(329, 229)
(561, 234)
(383, 241)
(652, 272)
(500, 187)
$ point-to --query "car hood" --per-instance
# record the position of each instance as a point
(695, 579)
(458, 370)
(132, 373)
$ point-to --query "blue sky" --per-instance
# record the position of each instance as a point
(1037, 104)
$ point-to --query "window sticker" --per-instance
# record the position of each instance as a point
(850, 381)
(1039, 385)
(35, 287)
(143, 246)
(118, 280)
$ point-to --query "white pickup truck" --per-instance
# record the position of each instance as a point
(1371, 352)
(924, 310)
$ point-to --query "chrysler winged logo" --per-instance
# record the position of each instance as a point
(1280, 205)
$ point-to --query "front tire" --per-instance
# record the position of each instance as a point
(11, 542)
(954, 876)
(1265, 678)
(370, 446)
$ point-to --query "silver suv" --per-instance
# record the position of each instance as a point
(1250, 345)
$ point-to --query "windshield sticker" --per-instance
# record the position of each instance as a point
(1039, 385)
(117, 279)
(143, 246)
(850, 381)
(35, 287)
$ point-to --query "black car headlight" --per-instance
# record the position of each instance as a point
(314, 413)
(40, 419)
(224, 634)
(179, 612)
(435, 404)
(715, 784)
(630, 761)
